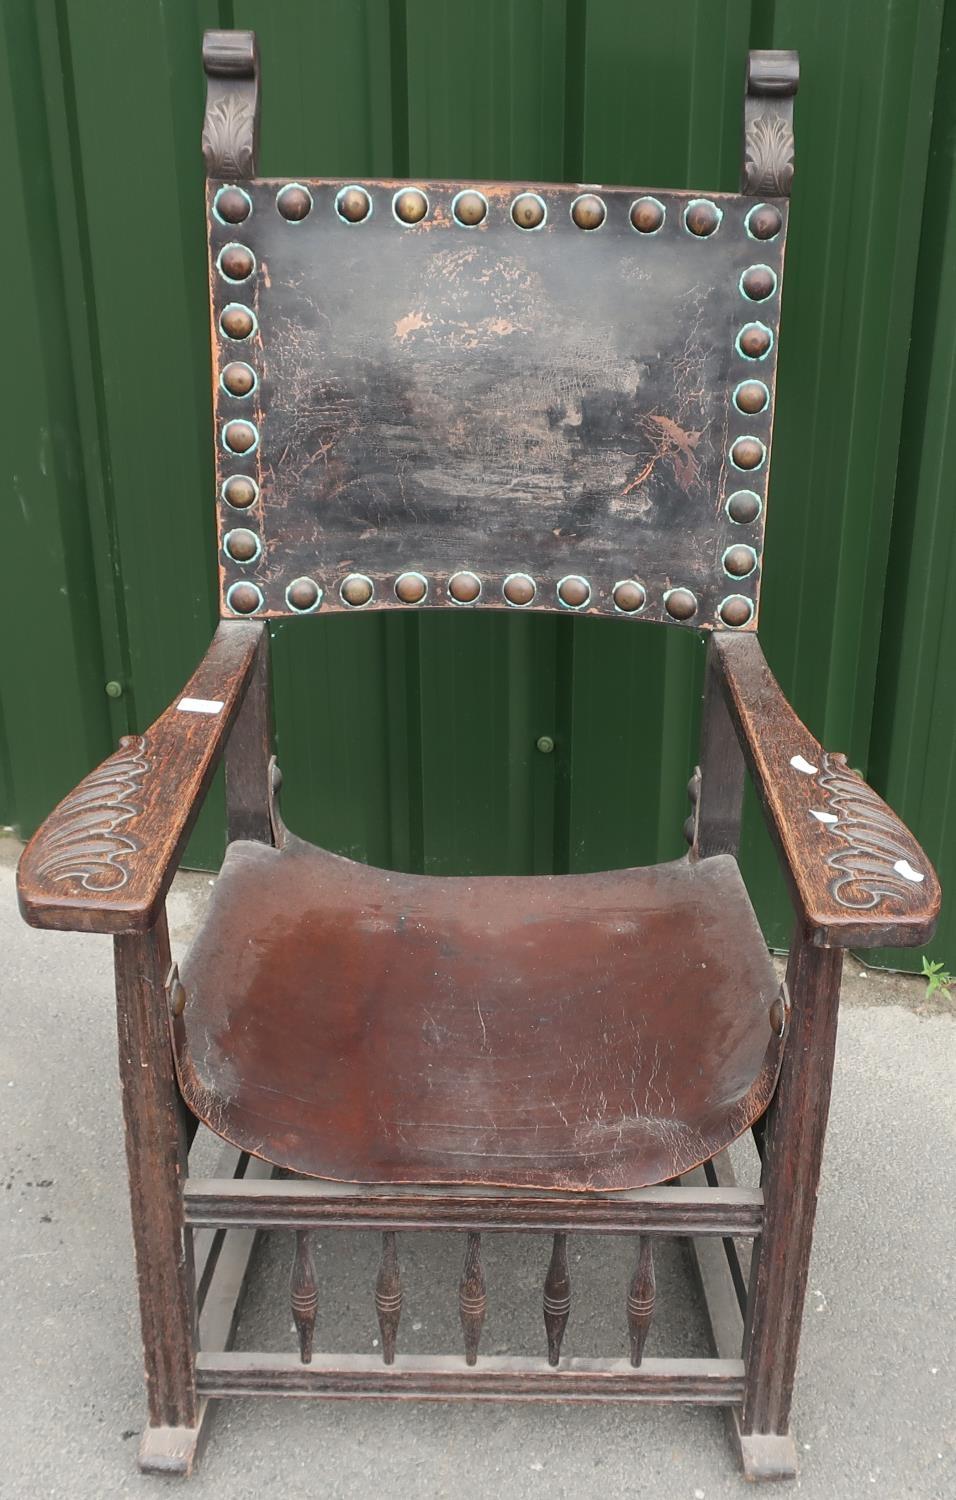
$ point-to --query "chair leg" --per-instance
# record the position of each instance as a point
(793, 1151)
(156, 1153)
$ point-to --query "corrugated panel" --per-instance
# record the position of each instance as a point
(412, 742)
(914, 730)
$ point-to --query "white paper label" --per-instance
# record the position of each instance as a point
(823, 817)
(799, 764)
(198, 706)
(904, 868)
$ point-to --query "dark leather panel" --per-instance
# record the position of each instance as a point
(576, 1032)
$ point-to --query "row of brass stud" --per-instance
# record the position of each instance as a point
(519, 590)
(353, 205)
(754, 342)
(240, 491)
(241, 438)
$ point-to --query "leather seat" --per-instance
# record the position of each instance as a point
(580, 1032)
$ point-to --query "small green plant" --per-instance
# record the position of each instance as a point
(937, 978)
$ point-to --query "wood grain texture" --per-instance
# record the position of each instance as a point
(557, 1297)
(790, 1175)
(434, 398)
(472, 1297)
(709, 1382)
(857, 875)
(388, 1297)
(156, 1156)
(247, 756)
(303, 1293)
(576, 1032)
(762, 1455)
(287, 1204)
(104, 858)
(721, 773)
(641, 1295)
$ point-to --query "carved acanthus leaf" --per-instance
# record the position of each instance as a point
(769, 156)
(84, 842)
(872, 842)
(228, 135)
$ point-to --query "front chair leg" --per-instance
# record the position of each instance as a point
(156, 1154)
(793, 1150)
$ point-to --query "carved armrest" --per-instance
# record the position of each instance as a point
(104, 858)
(856, 873)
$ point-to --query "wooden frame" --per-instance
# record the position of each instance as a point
(104, 860)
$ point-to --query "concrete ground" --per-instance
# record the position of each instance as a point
(874, 1410)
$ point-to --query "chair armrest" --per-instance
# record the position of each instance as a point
(857, 875)
(104, 858)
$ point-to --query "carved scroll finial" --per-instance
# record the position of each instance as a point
(772, 79)
(230, 132)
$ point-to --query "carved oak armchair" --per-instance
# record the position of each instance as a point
(481, 397)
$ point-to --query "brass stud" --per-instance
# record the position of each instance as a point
(353, 204)
(236, 321)
(469, 208)
(241, 545)
(764, 222)
(754, 340)
(702, 217)
(588, 211)
(748, 453)
(519, 589)
(743, 507)
(758, 283)
(739, 561)
(751, 396)
(411, 588)
(294, 202)
(629, 596)
(239, 437)
(528, 211)
(410, 205)
(244, 598)
(680, 604)
(177, 998)
(647, 215)
(464, 588)
(238, 378)
(236, 262)
(356, 590)
(240, 492)
(574, 591)
(778, 1016)
(735, 610)
(303, 595)
(232, 205)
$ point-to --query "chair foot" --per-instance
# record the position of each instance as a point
(763, 1455)
(174, 1450)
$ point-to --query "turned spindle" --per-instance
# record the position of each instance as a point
(303, 1293)
(557, 1297)
(388, 1296)
(640, 1300)
(472, 1301)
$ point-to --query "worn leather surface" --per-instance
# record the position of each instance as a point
(549, 402)
(577, 1032)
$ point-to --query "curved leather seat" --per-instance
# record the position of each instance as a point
(576, 1032)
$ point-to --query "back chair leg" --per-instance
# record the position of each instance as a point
(793, 1150)
(156, 1153)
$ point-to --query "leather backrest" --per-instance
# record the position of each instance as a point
(492, 395)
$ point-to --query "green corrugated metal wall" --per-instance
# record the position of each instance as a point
(412, 742)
